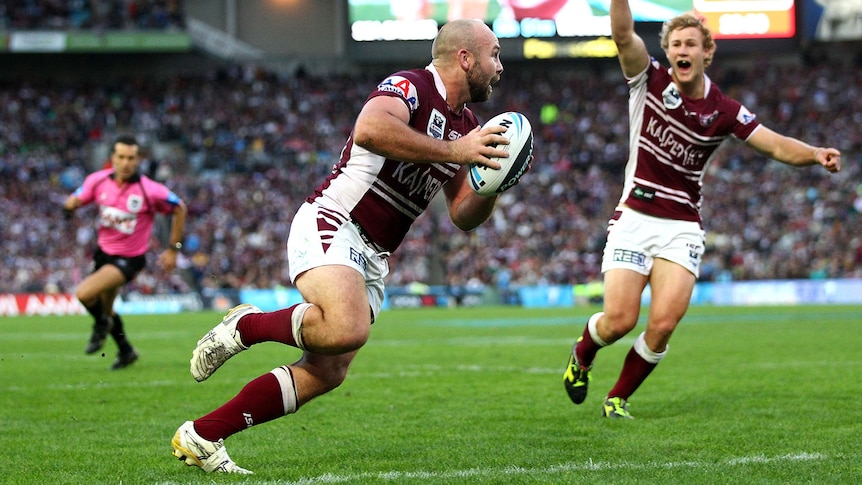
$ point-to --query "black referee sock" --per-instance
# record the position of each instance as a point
(95, 309)
(119, 334)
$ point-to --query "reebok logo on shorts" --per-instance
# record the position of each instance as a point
(626, 256)
(694, 253)
(358, 258)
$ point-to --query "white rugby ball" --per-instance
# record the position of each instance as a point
(488, 181)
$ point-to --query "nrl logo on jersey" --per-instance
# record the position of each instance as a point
(671, 97)
(134, 203)
(436, 125)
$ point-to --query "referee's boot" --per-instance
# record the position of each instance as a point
(101, 329)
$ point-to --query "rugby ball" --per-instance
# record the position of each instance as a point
(487, 181)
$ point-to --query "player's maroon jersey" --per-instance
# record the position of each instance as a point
(384, 195)
(673, 139)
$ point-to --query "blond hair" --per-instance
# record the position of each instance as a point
(685, 21)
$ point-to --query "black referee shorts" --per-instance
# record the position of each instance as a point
(129, 266)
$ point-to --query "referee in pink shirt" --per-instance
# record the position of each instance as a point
(128, 203)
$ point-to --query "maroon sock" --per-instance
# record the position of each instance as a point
(586, 349)
(267, 327)
(258, 402)
(635, 371)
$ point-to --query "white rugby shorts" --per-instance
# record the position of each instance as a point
(321, 237)
(636, 239)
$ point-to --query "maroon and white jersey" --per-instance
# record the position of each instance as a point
(673, 139)
(384, 195)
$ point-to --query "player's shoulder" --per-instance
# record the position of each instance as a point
(147, 182)
(656, 69)
(102, 173)
(409, 85)
(653, 71)
(398, 80)
(157, 190)
(98, 176)
(722, 101)
(415, 75)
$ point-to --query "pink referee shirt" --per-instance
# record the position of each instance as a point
(125, 213)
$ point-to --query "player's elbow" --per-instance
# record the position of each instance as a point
(363, 136)
(468, 222)
(370, 138)
(623, 35)
(465, 225)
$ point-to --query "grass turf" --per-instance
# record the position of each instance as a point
(746, 395)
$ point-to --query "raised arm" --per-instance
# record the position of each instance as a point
(794, 152)
(633, 54)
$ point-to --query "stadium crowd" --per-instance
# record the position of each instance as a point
(98, 15)
(250, 143)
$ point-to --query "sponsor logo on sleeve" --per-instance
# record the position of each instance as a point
(402, 87)
(744, 116)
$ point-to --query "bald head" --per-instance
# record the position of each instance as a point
(456, 35)
(466, 55)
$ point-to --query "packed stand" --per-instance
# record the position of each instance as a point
(251, 144)
(92, 15)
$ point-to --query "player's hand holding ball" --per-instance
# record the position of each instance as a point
(487, 181)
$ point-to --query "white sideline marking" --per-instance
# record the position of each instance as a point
(563, 342)
(512, 470)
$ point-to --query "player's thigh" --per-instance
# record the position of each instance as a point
(341, 294)
(671, 286)
(106, 278)
(108, 296)
(622, 298)
(333, 267)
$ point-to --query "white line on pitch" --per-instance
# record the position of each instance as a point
(514, 471)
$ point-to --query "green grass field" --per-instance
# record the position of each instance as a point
(746, 395)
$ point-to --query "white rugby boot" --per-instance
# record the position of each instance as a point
(219, 344)
(210, 456)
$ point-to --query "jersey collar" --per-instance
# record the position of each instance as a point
(438, 83)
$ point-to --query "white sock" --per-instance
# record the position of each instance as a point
(288, 388)
(296, 323)
(644, 351)
(594, 334)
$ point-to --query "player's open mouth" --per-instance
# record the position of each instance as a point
(683, 65)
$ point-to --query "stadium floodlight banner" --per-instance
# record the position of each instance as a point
(107, 42)
(749, 19)
(392, 20)
(567, 29)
